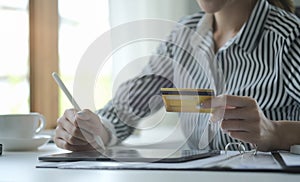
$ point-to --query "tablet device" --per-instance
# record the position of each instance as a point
(132, 155)
(185, 99)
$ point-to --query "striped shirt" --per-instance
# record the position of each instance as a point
(262, 61)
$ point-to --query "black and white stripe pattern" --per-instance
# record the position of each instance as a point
(262, 61)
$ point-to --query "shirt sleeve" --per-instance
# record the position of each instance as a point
(138, 97)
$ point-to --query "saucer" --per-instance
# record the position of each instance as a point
(24, 144)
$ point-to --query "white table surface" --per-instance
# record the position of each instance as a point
(20, 166)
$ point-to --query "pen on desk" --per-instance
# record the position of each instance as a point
(61, 85)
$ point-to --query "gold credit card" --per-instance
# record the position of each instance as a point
(185, 99)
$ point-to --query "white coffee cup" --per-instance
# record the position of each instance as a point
(21, 125)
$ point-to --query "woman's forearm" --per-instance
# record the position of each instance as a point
(288, 134)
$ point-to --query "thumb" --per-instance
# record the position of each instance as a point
(83, 115)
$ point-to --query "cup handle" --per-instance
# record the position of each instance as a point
(42, 123)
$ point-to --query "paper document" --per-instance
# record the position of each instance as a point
(290, 159)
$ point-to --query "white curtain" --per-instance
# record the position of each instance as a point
(123, 11)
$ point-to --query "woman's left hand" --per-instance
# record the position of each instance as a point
(243, 119)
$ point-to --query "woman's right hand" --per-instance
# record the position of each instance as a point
(76, 131)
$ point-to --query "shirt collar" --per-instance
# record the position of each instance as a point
(250, 34)
(203, 32)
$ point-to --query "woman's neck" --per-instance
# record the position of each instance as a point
(230, 20)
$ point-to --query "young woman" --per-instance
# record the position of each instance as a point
(257, 44)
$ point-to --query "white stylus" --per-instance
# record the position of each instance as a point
(65, 90)
(74, 103)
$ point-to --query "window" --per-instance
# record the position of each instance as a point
(14, 68)
(51, 35)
